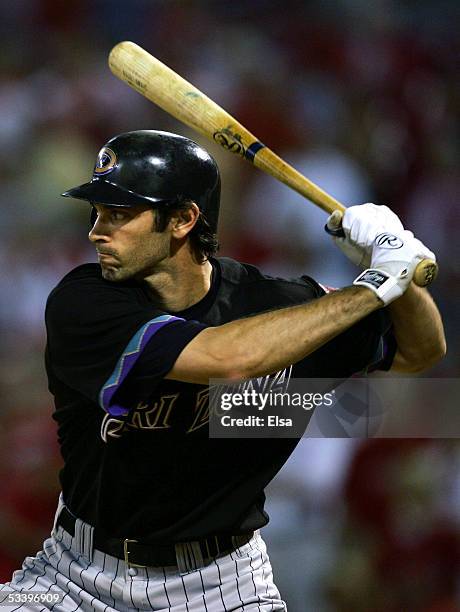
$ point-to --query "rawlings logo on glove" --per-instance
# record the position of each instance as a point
(388, 241)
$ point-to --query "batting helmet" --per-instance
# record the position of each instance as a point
(156, 168)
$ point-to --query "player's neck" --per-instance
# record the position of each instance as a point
(181, 282)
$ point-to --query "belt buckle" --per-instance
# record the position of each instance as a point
(126, 543)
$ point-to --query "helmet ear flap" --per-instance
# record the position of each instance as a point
(93, 217)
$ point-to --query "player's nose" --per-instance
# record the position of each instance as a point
(99, 231)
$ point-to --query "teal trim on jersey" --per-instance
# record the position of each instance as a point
(127, 360)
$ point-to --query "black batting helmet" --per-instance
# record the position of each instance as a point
(156, 168)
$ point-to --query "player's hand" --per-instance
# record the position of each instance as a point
(360, 226)
(393, 262)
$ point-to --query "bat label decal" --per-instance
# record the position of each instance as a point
(135, 80)
(230, 141)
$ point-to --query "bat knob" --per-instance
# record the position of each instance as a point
(334, 225)
(425, 272)
(337, 232)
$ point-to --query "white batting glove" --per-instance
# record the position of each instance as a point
(393, 262)
(360, 225)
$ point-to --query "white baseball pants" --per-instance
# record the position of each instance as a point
(90, 580)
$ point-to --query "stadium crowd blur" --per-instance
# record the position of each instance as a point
(360, 97)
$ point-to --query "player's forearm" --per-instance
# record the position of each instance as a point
(268, 342)
(418, 330)
(281, 340)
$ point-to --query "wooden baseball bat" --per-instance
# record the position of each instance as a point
(182, 100)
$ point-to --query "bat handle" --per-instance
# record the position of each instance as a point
(425, 272)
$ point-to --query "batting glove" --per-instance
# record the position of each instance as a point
(393, 262)
(355, 232)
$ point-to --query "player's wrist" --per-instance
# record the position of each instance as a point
(382, 284)
(367, 296)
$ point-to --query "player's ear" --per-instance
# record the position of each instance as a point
(182, 221)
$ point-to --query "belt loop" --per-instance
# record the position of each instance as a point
(83, 541)
(197, 554)
(188, 557)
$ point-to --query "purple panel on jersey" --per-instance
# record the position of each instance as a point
(127, 360)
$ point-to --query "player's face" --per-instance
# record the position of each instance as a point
(126, 242)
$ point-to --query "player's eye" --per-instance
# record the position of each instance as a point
(118, 215)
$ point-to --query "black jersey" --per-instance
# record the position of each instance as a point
(138, 460)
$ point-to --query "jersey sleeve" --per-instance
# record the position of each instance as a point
(367, 346)
(97, 333)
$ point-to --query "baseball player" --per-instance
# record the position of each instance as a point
(155, 514)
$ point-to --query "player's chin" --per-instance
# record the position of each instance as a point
(114, 274)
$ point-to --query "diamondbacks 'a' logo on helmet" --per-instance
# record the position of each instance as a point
(105, 162)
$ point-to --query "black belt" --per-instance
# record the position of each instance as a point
(139, 554)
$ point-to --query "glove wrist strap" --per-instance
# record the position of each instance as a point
(383, 284)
